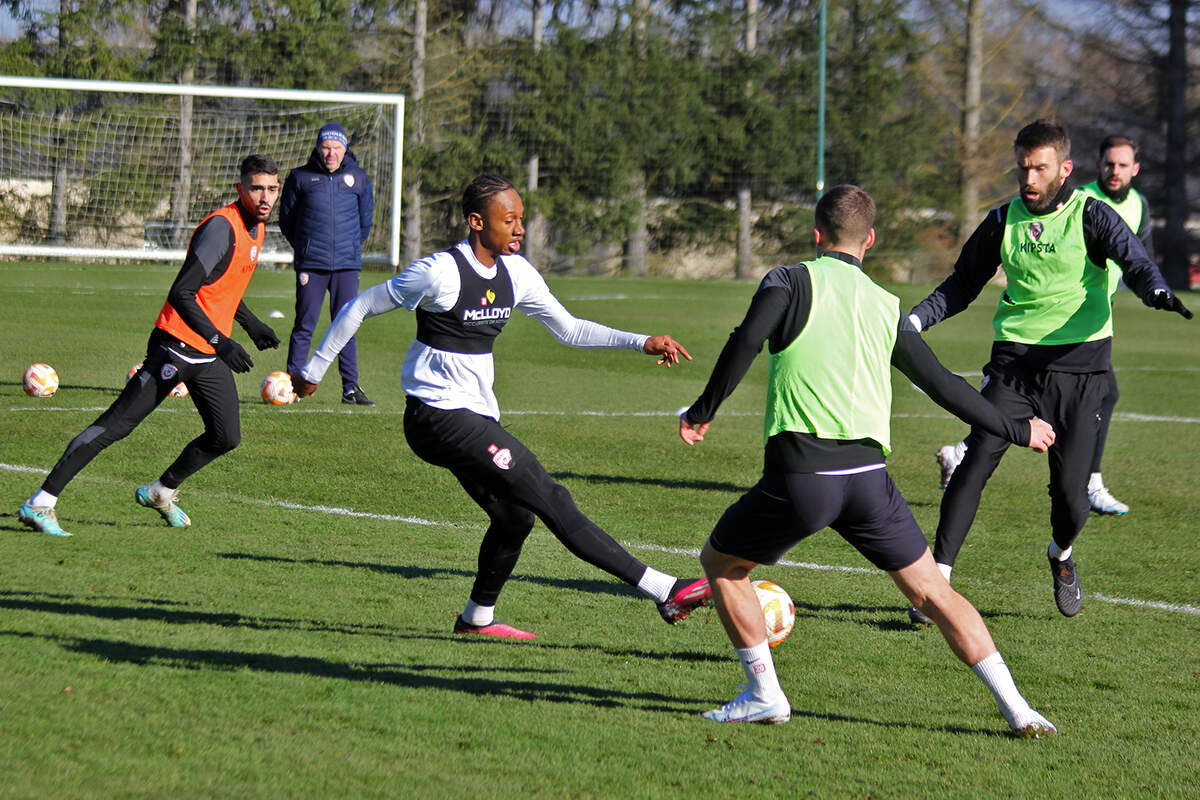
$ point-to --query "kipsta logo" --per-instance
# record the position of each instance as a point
(1035, 231)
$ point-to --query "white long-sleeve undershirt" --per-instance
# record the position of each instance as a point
(459, 380)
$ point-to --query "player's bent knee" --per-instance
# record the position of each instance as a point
(722, 565)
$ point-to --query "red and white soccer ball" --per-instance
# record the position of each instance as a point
(277, 389)
(779, 612)
(40, 380)
(180, 389)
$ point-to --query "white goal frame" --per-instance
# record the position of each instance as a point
(242, 92)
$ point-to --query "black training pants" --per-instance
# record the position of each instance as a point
(212, 390)
(1068, 401)
(508, 482)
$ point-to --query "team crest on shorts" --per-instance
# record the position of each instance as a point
(501, 456)
(304, 279)
(168, 372)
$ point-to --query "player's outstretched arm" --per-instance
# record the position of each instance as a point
(664, 345)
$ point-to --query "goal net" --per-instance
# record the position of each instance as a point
(105, 169)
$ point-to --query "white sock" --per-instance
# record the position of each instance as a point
(160, 494)
(960, 449)
(43, 499)
(475, 614)
(995, 675)
(760, 670)
(657, 585)
(945, 569)
(1095, 482)
(1057, 553)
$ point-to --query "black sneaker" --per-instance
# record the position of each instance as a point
(354, 397)
(1067, 595)
(916, 617)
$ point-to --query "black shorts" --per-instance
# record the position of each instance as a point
(465, 442)
(866, 508)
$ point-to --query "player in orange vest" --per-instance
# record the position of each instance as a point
(190, 344)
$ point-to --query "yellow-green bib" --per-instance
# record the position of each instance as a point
(1130, 209)
(1055, 294)
(834, 379)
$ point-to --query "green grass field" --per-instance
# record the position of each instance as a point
(295, 641)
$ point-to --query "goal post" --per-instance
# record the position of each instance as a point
(117, 169)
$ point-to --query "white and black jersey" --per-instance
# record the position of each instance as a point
(447, 378)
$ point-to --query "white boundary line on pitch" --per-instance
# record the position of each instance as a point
(692, 552)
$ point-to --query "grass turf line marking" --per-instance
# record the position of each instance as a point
(692, 552)
(1124, 601)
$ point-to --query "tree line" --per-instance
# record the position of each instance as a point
(681, 135)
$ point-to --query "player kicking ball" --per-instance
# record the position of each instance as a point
(462, 298)
(832, 336)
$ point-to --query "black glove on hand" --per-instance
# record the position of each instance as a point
(261, 334)
(233, 354)
(1165, 300)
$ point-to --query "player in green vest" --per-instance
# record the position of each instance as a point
(832, 335)
(1052, 342)
(1117, 165)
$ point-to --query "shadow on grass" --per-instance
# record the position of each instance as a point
(467, 679)
(69, 605)
(464, 678)
(882, 618)
(708, 486)
(409, 571)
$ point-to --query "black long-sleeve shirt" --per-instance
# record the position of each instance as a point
(778, 313)
(1105, 236)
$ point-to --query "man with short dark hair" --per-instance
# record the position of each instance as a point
(832, 335)
(190, 344)
(1052, 342)
(463, 298)
(1117, 166)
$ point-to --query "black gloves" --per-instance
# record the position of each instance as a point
(1165, 300)
(233, 353)
(260, 333)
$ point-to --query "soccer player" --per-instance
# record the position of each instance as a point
(832, 334)
(191, 344)
(1117, 166)
(462, 298)
(1052, 337)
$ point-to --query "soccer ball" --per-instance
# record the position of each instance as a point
(277, 389)
(40, 380)
(180, 389)
(779, 612)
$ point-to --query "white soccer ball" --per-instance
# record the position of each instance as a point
(779, 612)
(40, 380)
(277, 389)
(179, 391)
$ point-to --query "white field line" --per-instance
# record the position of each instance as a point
(692, 552)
